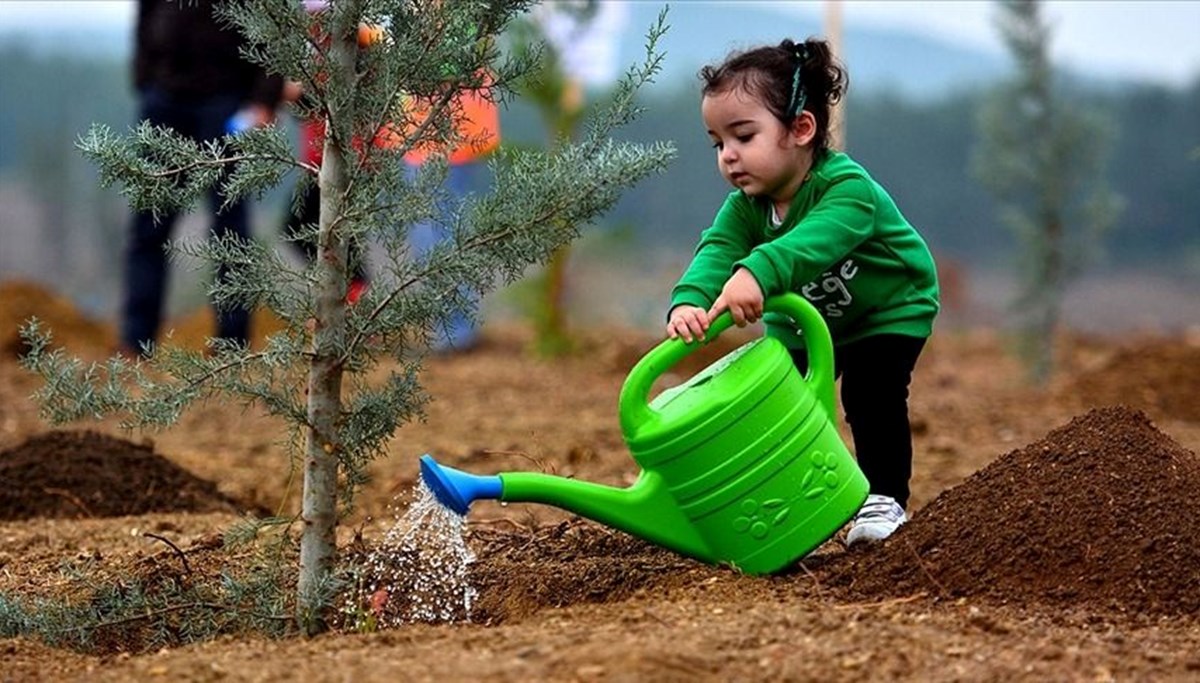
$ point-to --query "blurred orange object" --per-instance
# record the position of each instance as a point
(369, 34)
(479, 131)
(479, 124)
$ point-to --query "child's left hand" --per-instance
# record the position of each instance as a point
(742, 297)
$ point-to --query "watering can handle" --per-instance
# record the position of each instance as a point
(634, 400)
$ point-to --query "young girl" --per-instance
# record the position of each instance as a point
(805, 218)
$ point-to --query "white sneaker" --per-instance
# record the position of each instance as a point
(877, 519)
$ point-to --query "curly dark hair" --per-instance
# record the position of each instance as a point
(767, 73)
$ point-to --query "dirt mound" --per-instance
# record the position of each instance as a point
(519, 571)
(1100, 514)
(67, 474)
(20, 301)
(577, 562)
(1161, 377)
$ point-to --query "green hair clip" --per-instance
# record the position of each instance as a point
(796, 102)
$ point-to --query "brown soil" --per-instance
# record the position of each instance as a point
(1096, 516)
(87, 474)
(569, 563)
(1159, 376)
(20, 301)
(1050, 537)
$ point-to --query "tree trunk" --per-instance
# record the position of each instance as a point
(552, 336)
(318, 542)
(553, 339)
(1053, 284)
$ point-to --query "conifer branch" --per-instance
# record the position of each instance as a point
(215, 606)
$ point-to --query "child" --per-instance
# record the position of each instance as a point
(805, 218)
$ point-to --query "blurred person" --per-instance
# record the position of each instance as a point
(189, 76)
(808, 219)
(478, 135)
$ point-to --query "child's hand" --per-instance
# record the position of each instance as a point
(689, 322)
(742, 297)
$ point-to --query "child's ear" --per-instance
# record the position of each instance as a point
(804, 128)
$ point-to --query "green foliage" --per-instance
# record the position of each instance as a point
(406, 85)
(147, 615)
(547, 87)
(559, 101)
(1043, 160)
(161, 171)
(154, 394)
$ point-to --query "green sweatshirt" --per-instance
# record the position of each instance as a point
(843, 245)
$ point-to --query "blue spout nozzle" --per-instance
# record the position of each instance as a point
(457, 489)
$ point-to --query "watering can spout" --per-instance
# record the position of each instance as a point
(456, 489)
(644, 509)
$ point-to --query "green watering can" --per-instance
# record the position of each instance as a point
(742, 464)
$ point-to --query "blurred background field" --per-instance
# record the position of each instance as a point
(910, 118)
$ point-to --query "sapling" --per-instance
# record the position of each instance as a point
(1043, 160)
(378, 102)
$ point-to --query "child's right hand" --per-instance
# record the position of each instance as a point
(689, 322)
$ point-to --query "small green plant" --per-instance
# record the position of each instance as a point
(559, 100)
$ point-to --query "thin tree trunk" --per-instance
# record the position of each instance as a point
(318, 545)
(1054, 284)
(553, 338)
(318, 542)
(833, 32)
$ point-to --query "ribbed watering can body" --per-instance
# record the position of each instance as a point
(748, 448)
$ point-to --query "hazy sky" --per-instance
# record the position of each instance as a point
(1156, 40)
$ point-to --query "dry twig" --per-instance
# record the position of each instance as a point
(942, 592)
(182, 557)
(816, 582)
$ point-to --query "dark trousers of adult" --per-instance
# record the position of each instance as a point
(875, 373)
(146, 264)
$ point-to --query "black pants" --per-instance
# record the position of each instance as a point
(147, 269)
(875, 374)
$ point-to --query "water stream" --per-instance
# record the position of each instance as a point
(418, 573)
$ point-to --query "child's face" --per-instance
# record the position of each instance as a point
(756, 152)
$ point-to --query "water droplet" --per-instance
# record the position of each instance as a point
(418, 573)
